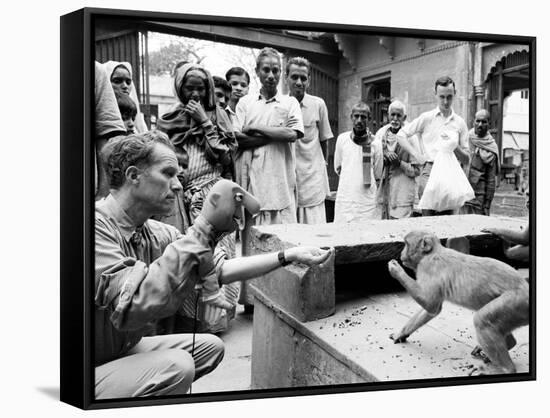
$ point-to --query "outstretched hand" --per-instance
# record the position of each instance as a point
(308, 255)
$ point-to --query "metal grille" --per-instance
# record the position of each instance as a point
(122, 48)
(326, 87)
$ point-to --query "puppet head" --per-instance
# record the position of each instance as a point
(225, 205)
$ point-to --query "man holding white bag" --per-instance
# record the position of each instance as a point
(442, 135)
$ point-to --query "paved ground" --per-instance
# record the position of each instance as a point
(233, 373)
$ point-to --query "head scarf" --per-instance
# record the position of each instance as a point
(110, 67)
(183, 129)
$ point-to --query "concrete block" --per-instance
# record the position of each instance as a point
(308, 293)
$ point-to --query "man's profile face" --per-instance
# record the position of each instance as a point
(298, 80)
(269, 72)
(360, 117)
(481, 124)
(158, 183)
(445, 96)
(239, 86)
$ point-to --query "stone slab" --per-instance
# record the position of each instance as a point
(354, 346)
(381, 239)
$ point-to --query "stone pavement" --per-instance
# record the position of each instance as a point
(233, 373)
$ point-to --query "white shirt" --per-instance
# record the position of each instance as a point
(311, 170)
(430, 125)
(269, 172)
(354, 201)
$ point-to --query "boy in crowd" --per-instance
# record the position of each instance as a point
(358, 160)
(128, 111)
(222, 92)
(397, 189)
(239, 81)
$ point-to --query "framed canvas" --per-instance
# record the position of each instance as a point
(301, 330)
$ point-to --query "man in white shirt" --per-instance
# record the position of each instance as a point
(430, 125)
(266, 126)
(311, 149)
(359, 162)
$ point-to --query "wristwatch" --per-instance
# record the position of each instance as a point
(282, 260)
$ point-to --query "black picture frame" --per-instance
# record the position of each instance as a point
(77, 199)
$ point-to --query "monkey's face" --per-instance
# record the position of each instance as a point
(417, 245)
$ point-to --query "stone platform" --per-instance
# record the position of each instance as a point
(309, 330)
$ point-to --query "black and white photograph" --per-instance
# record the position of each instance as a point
(288, 208)
(277, 209)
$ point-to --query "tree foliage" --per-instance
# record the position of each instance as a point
(163, 61)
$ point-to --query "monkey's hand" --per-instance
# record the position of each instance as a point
(494, 231)
(398, 337)
(395, 269)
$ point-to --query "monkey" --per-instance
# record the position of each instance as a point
(497, 293)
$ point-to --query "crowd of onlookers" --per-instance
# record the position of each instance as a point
(275, 146)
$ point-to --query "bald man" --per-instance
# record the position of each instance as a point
(484, 165)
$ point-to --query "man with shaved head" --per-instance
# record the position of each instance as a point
(484, 165)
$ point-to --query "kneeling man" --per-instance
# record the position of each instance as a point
(144, 269)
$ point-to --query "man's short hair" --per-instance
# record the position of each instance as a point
(133, 150)
(267, 52)
(127, 107)
(221, 83)
(238, 71)
(361, 106)
(397, 104)
(298, 61)
(444, 82)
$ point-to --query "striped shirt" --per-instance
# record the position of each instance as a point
(199, 170)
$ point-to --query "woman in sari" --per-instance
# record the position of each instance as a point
(120, 74)
(204, 140)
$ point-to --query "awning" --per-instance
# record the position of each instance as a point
(515, 140)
